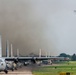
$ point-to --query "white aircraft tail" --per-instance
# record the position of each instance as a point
(7, 48)
(11, 51)
(17, 52)
(46, 54)
(0, 47)
(40, 53)
(49, 54)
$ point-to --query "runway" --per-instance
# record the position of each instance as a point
(21, 71)
(18, 73)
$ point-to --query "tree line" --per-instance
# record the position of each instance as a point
(71, 57)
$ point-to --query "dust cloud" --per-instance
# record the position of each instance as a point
(23, 23)
(31, 25)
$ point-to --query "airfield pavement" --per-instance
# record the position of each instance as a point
(27, 70)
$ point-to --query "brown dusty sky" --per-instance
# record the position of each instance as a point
(31, 25)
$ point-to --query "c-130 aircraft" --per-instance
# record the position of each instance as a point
(3, 64)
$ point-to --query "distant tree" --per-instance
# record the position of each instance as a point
(67, 56)
(73, 58)
(64, 55)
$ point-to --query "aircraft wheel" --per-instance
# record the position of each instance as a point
(12, 69)
(6, 71)
(15, 68)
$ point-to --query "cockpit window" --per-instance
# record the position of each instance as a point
(0, 60)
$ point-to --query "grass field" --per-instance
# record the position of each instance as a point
(57, 69)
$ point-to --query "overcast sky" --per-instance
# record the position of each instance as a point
(31, 25)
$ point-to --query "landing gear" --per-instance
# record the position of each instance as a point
(12, 69)
(6, 71)
(15, 68)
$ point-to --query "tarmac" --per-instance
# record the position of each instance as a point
(27, 70)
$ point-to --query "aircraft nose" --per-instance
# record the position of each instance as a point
(1, 63)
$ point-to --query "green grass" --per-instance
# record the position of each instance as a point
(56, 70)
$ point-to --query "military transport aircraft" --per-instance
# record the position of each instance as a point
(3, 64)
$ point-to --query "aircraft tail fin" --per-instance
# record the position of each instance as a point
(17, 52)
(0, 47)
(11, 51)
(40, 53)
(46, 54)
(7, 48)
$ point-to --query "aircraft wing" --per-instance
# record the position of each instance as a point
(30, 58)
(47, 58)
